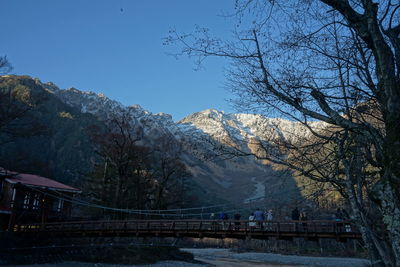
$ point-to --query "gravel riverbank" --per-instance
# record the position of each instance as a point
(224, 257)
(227, 258)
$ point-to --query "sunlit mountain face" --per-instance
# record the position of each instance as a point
(215, 175)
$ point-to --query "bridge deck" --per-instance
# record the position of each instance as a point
(194, 228)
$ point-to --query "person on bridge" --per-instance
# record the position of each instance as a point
(252, 223)
(346, 218)
(295, 214)
(237, 217)
(303, 217)
(296, 217)
(270, 217)
(212, 216)
(339, 219)
(259, 216)
(213, 223)
(339, 215)
(223, 216)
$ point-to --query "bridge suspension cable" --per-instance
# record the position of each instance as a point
(139, 212)
(164, 213)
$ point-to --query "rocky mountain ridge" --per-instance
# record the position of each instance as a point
(212, 122)
(237, 180)
(247, 178)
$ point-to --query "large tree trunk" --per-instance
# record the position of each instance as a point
(389, 195)
(379, 254)
(391, 216)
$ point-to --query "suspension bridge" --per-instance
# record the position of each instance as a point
(184, 222)
(285, 230)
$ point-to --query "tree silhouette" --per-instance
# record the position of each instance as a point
(335, 61)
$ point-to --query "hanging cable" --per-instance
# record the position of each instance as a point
(131, 211)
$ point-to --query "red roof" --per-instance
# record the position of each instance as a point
(36, 180)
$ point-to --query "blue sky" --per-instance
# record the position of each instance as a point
(115, 47)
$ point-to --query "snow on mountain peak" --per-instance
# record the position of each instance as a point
(212, 122)
(239, 126)
(233, 179)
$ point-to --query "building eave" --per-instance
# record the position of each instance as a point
(45, 187)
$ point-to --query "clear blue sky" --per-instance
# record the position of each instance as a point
(115, 47)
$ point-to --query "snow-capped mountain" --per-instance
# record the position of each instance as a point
(217, 124)
(238, 179)
(242, 127)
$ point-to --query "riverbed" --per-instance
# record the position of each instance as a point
(227, 258)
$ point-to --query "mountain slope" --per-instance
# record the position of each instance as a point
(239, 180)
(64, 152)
(235, 180)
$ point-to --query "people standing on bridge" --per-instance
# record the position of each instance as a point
(295, 214)
(346, 218)
(296, 217)
(237, 217)
(259, 216)
(213, 223)
(252, 223)
(303, 218)
(224, 217)
(339, 215)
(269, 217)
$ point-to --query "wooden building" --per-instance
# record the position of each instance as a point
(28, 198)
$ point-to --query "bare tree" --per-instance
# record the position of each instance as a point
(131, 175)
(170, 173)
(335, 61)
(121, 178)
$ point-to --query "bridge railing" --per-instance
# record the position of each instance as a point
(164, 226)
